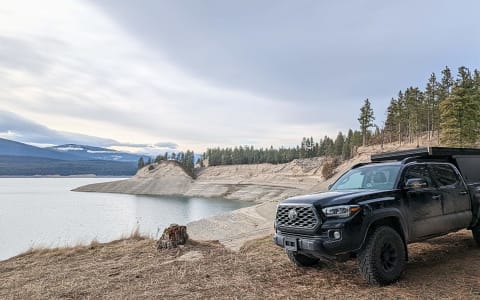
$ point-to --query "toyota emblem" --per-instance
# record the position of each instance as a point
(292, 214)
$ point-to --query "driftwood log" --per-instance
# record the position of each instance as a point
(173, 236)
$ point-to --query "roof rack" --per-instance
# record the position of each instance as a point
(424, 152)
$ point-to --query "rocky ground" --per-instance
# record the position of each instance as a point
(442, 268)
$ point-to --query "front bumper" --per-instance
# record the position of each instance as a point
(318, 246)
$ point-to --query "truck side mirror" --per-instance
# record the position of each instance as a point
(415, 183)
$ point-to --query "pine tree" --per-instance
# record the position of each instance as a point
(391, 122)
(338, 146)
(432, 103)
(459, 112)
(444, 89)
(347, 146)
(366, 120)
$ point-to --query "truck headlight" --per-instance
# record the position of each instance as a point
(342, 211)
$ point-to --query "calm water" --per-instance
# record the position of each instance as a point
(43, 212)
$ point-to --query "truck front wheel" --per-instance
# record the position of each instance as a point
(476, 234)
(301, 260)
(382, 258)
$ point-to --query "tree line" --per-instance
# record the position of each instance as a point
(342, 146)
(446, 110)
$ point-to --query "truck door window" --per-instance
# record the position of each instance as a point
(418, 171)
(445, 176)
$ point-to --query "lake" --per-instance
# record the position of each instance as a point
(43, 212)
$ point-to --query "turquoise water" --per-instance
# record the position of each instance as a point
(43, 212)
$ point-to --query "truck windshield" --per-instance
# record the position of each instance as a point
(377, 177)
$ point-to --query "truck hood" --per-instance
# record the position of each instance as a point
(333, 198)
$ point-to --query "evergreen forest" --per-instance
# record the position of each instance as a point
(445, 112)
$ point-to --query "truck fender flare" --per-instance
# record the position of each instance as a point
(384, 213)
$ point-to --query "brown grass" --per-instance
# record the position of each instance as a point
(445, 267)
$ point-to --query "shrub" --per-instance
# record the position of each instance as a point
(329, 167)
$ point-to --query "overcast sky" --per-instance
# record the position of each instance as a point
(196, 74)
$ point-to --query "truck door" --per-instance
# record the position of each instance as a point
(424, 204)
(455, 196)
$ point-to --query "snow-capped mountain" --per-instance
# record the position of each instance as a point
(95, 153)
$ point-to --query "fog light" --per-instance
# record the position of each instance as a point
(336, 235)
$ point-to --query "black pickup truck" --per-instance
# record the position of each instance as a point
(375, 209)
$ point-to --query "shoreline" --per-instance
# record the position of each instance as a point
(264, 185)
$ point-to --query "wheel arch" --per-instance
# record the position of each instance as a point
(392, 220)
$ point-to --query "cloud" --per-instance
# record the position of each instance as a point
(324, 56)
(99, 81)
(21, 55)
(217, 73)
(20, 129)
(166, 145)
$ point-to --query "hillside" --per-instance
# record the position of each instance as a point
(11, 165)
(256, 182)
(18, 159)
(8, 147)
(133, 269)
(259, 183)
(166, 178)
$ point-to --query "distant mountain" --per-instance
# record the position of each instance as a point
(95, 153)
(8, 147)
(18, 159)
(13, 165)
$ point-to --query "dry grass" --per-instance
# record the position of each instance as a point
(445, 267)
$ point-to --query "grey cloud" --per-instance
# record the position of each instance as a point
(262, 67)
(16, 53)
(24, 130)
(166, 145)
(312, 53)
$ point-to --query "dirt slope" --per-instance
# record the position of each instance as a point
(166, 178)
(259, 183)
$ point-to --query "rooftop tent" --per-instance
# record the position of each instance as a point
(467, 160)
(425, 152)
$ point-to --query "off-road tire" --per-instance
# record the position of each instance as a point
(301, 260)
(383, 257)
(476, 234)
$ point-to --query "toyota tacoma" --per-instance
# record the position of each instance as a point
(375, 209)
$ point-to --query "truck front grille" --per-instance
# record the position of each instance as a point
(297, 216)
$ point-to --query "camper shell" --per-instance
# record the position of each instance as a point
(467, 160)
